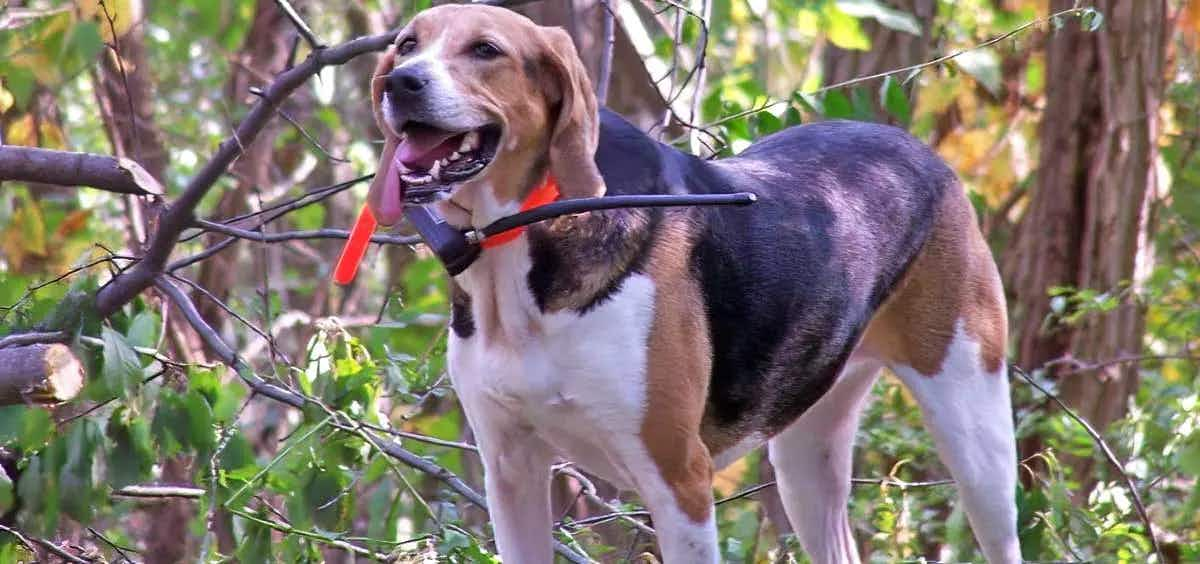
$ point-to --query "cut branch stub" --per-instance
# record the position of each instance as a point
(64, 168)
(45, 373)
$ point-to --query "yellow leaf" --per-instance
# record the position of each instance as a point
(20, 132)
(74, 221)
(729, 479)
(25, 236)
(121, 11)
(6, 100)
(1189, 23)
(52, 136)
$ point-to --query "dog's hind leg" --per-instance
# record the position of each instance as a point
(943, 333)
(812, 459)
(967, 410)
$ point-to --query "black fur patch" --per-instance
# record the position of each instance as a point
(789, 283)
(462, 321)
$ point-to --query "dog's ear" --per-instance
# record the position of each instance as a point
(576, 129)
(384, 171)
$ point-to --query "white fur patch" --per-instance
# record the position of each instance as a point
(570, 382)
(968, 411)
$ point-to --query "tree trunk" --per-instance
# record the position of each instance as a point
(263, 55)
(1089, 219)
(631, 91)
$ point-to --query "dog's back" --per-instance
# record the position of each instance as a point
(792, 282)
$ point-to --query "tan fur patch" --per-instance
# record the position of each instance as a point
(953, 278)
(677, 373)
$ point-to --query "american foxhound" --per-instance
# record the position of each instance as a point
(654, 346)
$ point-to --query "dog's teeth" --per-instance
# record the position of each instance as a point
(469, 142)
(454, 156)
(435, 169)
(416, 179)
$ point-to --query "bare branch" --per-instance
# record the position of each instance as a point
(187, 492)
(31, 542)
(180, 214)
(66, 168)
(22, 339)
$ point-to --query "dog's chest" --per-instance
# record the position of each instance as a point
(577, 380)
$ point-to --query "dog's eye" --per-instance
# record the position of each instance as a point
(486, 50)
(405, 47)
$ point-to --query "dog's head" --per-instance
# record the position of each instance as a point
(479, 102)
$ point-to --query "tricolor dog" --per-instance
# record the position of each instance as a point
(654, 346)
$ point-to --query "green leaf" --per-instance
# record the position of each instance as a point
(835, 105)
(1188, 457)
(255, 542)
(27, 427)
(201, 432)
(122, 371)
(844, 30)
(1091, 19)
(143, 330)
(75, 478)
(886, 15)
(892, 98)
(83, 42)
(984, 66)
(132, 455)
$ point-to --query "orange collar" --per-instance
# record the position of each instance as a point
(540, 196)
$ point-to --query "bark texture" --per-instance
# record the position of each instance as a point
(1089, 218)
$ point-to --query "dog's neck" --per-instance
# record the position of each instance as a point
(569, 264)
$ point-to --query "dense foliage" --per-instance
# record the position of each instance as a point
(266, 481)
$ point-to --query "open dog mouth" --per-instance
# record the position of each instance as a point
(430, 160)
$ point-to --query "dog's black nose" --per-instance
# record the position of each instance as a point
(407, 81)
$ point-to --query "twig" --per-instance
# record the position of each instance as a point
(66, 168)
(120, 63)
(1108, 455)
(324, 539)
(33, 289)
(112, 544)
(300, 235)
(1080, 367)
(30, 542)
(308, 198)
(301, 27)
(303, 132)
(225, 307)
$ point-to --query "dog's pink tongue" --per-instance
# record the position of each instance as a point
(420, 149)
(391, 202)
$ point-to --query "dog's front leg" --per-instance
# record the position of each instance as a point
(516, 469)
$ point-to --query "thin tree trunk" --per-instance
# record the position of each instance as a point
(890, 49)
(263, 55)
